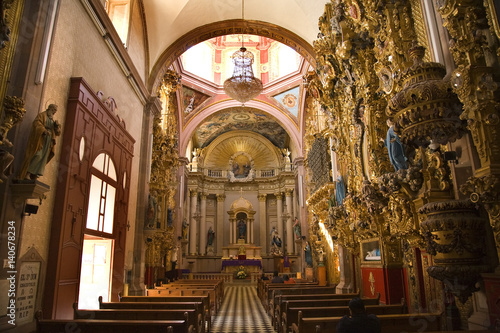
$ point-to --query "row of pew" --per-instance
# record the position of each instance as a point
(183, 306)
(305, 307)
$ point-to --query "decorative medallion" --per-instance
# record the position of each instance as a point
(386, 79)
(354, 11)
(289, 100)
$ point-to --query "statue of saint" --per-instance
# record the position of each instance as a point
(297, 229)
(151, 211)
(210, 236)
(340, 190)
(242, 228)
(276, 240)
(40, 148)
(395, 148)
(185, 226)
(308, 254)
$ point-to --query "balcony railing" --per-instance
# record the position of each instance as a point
(269, 173)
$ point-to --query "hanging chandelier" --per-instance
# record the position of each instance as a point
(243, 86)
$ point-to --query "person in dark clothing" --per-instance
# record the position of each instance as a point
(264, 277)
(276, 278)
(359, 321)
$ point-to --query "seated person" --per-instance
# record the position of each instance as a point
(359, 322)
(276, 278)
(264, 277)
(288, 279)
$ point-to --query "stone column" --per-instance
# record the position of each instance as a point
(295, 214)
(279, 208)
(263, 222)
(345, 264)
(251, 225)
(203, 224)
(192, 225)
(289, 231)
(219, 230)
(233, 230)
(301, 211)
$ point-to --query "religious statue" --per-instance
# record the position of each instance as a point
(297, 229)
(340, 190)
(151, 211)
(185, 226)
(276, 243)
(308, 254)
(210, 236)
(395, 148)
(41, 141)
(242, 229)
(277, 240)
(175, 255)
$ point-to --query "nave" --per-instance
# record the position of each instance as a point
(241, 311)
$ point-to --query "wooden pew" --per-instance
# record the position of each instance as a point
(414, 322)
(288, 289)
(192, 317)
(201, 303)
(218, 284)
(324, 302)
(298, 290)
(268, 287)
(279, 299)
(111, 326)
(187, 290)
(291, 316)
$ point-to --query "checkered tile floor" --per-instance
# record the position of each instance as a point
(241, 312)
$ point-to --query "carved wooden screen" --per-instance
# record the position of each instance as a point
(318, 159)
(90, 129)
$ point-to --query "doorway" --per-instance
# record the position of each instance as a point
(95, 278)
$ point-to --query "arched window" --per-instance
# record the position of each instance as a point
(119, 13)
(102, 195)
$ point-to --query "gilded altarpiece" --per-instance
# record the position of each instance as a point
(372, 65)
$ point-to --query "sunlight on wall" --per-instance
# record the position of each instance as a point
(198, 60)
(119, 13)
(327, 235)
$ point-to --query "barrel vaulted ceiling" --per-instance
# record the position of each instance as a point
(168, 20)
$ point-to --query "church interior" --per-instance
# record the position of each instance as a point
(348, 144)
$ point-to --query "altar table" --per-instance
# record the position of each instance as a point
(250, 265)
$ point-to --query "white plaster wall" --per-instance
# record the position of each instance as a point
(137, 44)
(78, 50)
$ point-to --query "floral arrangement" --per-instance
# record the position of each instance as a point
(241, 274)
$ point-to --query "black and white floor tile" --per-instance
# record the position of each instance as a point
(241, 312)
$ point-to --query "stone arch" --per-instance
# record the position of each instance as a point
(241, 207)
(289, 125)
(222, 28)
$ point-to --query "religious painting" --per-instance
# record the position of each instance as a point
(191, 99)
(247, 119)
(241, 166)
(370, 250)
(241, 225)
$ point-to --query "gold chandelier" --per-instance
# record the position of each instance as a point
(243, 86)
